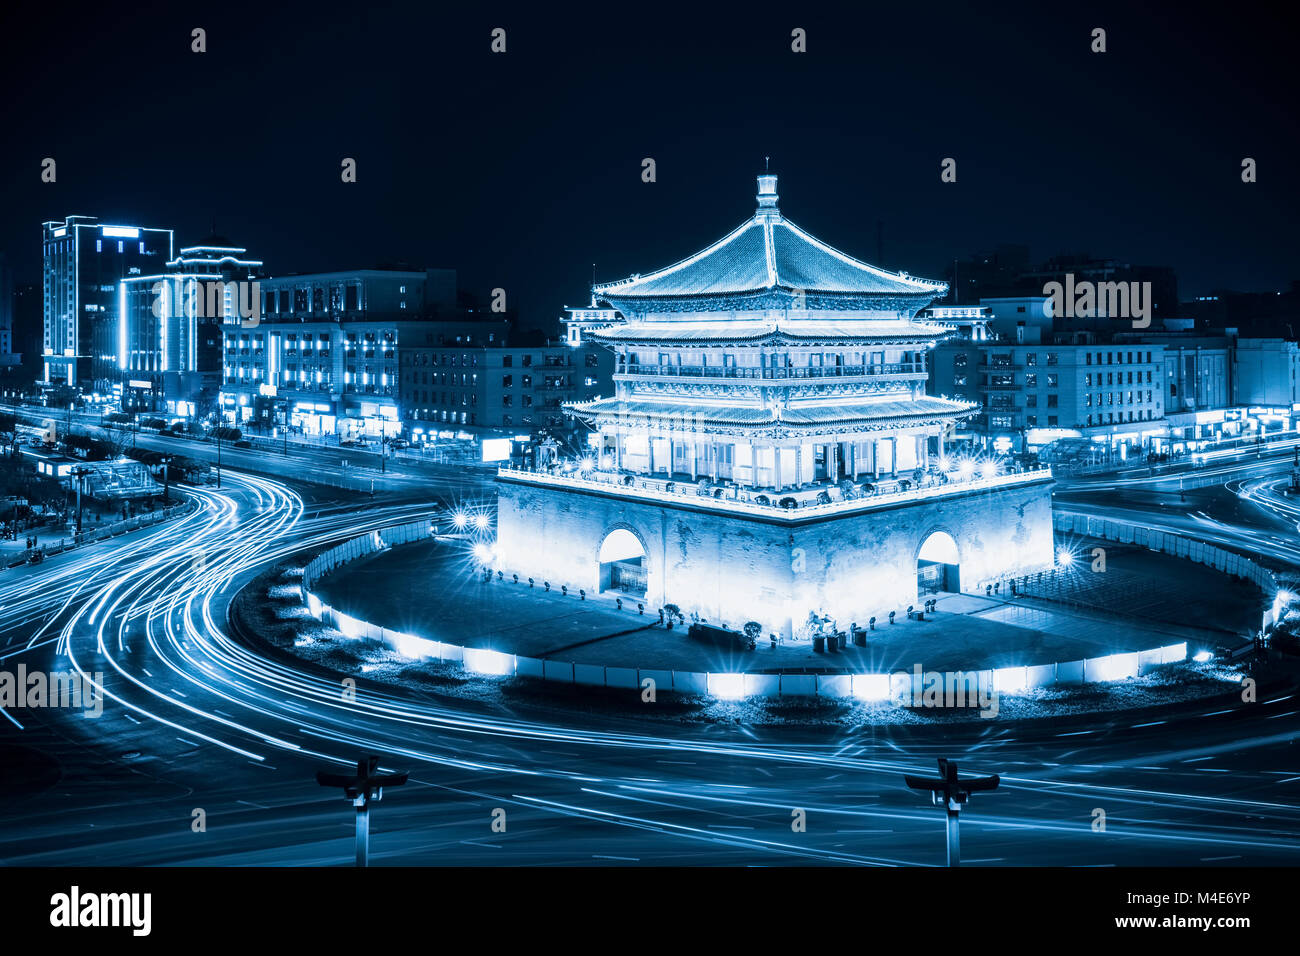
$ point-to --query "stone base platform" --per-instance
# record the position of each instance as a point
(434, 590)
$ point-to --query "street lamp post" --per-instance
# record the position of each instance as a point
(361, 789)
(166, 460)
(947, 789)
(219, 427)
(79, 474)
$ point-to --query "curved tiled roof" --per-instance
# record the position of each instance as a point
(927, 407)
(747, 330)
(765, 253)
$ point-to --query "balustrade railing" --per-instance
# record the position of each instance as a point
(788, 373)
(808, 501)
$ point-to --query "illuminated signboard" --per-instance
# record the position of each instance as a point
(496, 449)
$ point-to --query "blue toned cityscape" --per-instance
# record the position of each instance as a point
(516, 457)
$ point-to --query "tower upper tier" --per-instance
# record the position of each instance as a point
(769, 263)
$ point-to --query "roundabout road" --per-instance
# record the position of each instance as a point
(197, 719)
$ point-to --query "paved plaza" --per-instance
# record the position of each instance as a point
(1146, 600)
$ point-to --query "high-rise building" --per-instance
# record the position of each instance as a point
(85, 262)
(169, 335)
(8, 357)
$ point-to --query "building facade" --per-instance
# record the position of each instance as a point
(769, 452)
(1265, 373)
(169, 357)
(85, 262)
(1032, 395)
(493, 387)
(323, 358)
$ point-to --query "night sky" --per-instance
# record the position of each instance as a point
(521, 170)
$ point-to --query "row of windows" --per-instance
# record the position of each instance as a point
(1113, 358)
(1109, 418)
(462, 399)
(1052, 379)
(440, 378)
(451, 360)
(1111, 380)
(350, 340)
(1121, 400)
(1006, 422)
(452, 418)
(962, 359)
(99, 246)
(1007, 401)
(471, 418)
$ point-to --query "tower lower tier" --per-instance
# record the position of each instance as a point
(731, 568)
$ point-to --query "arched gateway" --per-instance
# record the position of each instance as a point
(622, 560)
(938, 565)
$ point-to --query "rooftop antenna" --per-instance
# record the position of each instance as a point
(766, 164)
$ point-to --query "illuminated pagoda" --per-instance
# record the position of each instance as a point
(769, 451)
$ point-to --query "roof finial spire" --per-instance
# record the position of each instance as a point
(767, 192)
(766, 161)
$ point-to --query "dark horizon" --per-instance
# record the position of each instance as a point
(522, 170)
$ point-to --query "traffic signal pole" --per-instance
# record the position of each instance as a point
(953, 793)
(954, 833)
(365, 786)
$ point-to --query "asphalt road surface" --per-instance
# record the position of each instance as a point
(199, 723)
